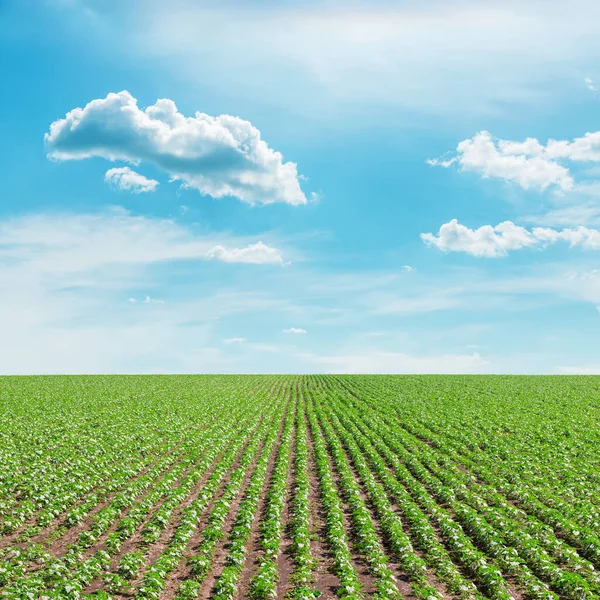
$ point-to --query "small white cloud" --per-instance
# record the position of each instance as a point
(294, 330)
(125, 179)
(146, 300)
(484, 241)
(440, 162)
(407, 268)
(256, 254)
(490, 241)
(218, 156)
(235, 340)
(591, 85)
(527, 163)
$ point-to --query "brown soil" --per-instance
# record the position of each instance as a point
(253, 542)
(359, 563)
(221, 550)
(285, 564)
(59, 521)
(154, 550)
(326, 581)
(182, 572)
(403, 582)
(86, 522)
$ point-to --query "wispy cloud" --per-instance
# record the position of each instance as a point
(78, 242)
(235, 340)
(577, 214)
(591, 85)
(296, 330)
(124, 178)
(354, 54)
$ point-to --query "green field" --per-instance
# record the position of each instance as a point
(299, 487)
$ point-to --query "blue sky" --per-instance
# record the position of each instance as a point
(299, 186)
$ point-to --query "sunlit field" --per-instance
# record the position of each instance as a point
(299, 487)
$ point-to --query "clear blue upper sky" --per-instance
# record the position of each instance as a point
(261, 186)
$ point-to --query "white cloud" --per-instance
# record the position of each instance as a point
(484, 241)
(218, 156)
(123, 178)
(490, 241)
(397, 362)
(256, 254)
(408, 268)
(525, 163)
(82, 242)
(294, 330)
(577, 236)
(590, 84)
(235, 340)
(582, 149)
(528, 163)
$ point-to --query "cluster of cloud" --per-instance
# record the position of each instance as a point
(529, 163)
(218, 156)
(254, 254)
(493, 241)
(123, 178)
(296, 330)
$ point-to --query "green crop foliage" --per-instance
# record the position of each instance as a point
(299, 487)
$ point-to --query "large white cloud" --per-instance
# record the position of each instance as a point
(491, 241)
(218, 156)
(123, 178)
